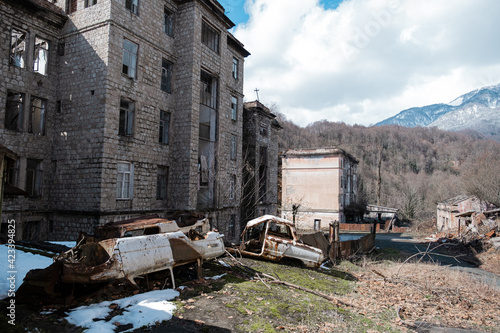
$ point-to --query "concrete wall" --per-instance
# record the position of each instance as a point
(313, 180)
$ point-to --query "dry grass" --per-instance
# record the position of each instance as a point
(412, 294)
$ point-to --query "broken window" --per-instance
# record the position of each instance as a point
(166, 76)
(208, 93)
(161, 182)
(13, 173)
(127, 109)
(280, 230)
(34, 177)
(71, 6)
(234, 108)
(89, 3)
(210, 37)
(168, 22)
(235, 68)
(14, 111)
(232, 187)
(124, 180)
(164, 126)
(18, 48)
(37, 116)
(233, 147)
(133, 6)
(129, 58)
(41, 57)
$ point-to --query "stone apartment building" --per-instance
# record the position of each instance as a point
(119, 108)
(317, 186)
(260, 162)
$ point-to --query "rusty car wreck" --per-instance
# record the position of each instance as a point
(273, 238)
(131, 254)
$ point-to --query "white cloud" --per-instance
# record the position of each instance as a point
(367, 60)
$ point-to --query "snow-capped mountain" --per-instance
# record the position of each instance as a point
(478, 110)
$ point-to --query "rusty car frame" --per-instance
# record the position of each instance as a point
(136, 247)
(273, 238)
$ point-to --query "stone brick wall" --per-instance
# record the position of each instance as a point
(82, 147)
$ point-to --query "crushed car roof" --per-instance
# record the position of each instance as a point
(265, 218)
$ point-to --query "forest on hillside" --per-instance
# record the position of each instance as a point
(418, 166)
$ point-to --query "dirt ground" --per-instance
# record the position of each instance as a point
(376, 293)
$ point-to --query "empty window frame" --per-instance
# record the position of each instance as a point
(129, 63)
(233, 147)
(71, 6)
(168, 22)
(13, 172)
(161, 182)
(235, 68)
(34, 177)
(164, 126)
(232, 187)
(18, 48)
(41, 56)
(208, 90)
(14, 111)
(127, 110)
(234, 108)
(124, 180)
(89, 3)
(210, 37)
(38, 109)
(166, 76)
(133, 6)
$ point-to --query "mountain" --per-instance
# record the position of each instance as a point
(478, 110)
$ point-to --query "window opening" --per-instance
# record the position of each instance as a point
(14, 111)
(210, 37)
(126, 125)
(41, 57)
(37, 116)
(124, 181)
(164, 126)
(17, 48)
(129, 63)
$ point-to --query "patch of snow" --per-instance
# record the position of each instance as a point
(70, 244)
(323, 266)
(24, 262)
(215, 277)
(139, 310)
(223, 263)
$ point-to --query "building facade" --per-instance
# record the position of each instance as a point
(317, 185)
(260, 162)
(118, 109)
(448, 210)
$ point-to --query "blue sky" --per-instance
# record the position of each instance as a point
(235, 9)
(362, 61)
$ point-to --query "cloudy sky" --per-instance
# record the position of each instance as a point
(362, 61)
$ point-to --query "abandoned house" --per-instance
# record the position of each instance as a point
(117, 109)
(448, 210)
(260, 162)
(318, 184)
